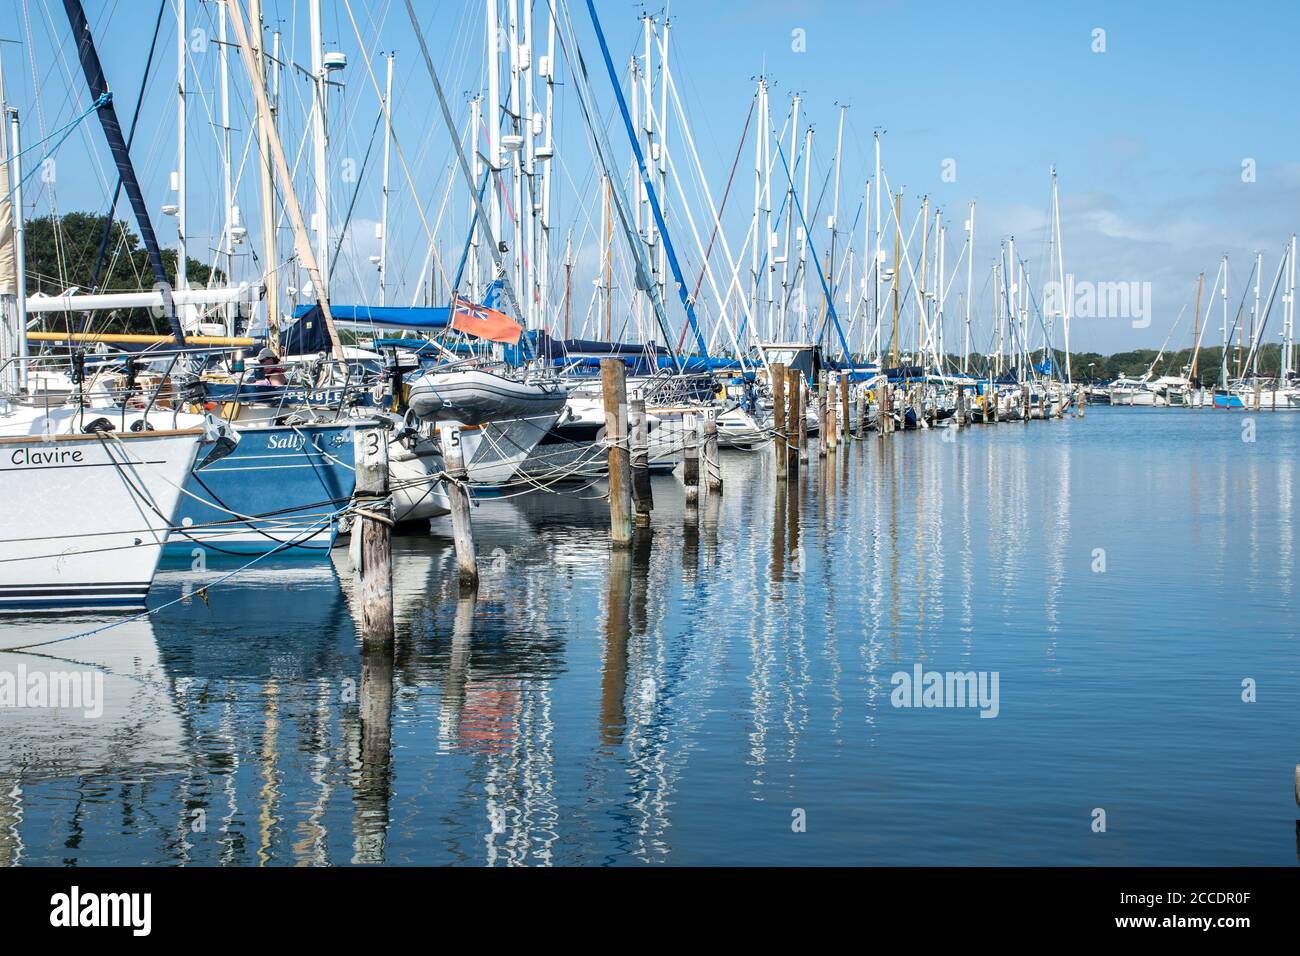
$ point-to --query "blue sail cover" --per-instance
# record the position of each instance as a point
(906, 373)
(309, 335)
(699, 364)
(547, 347)
(389, 317)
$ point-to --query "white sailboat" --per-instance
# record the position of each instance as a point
(86, 515)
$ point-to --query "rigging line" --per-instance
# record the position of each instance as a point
(717, 222)
(831, 312)
(401, 153)
(130, 138)
(62, 133)
(146, 613)
(507, 286)
(655, 207)
(347, 219)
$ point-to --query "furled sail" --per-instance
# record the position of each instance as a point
(8, 265)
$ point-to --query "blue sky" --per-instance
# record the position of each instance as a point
(1149, 136)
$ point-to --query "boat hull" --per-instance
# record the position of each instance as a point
(278, 490)
(475, 397)
(105, 504)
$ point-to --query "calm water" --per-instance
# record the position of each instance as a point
(683, 703)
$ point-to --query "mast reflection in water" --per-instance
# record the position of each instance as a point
(677, 702)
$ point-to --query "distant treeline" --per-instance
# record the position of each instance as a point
(1095, 367)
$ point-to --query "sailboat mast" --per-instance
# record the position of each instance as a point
(970, 283)
(634, 85)
(662, 265)
(302, 242)
(920, 296)
(548, 156)
(494, 111)
(898, 242)
(476, 156)
(1288, 344)
(1013, 304)
(789, 216)
(866, 252)
(182, 259)
(647, 133)
(13, 182)
(879, 258)
(383, 198)
(801, 274)
(835, 208)
(319, 147)
(227, 186)
(1001, 299)
(568, 278)
(1066, 290)
(1254, 316)
(769, 235)
(1223, 359)
(1196, 327)
(609, 259)
(756, 227)
(943, 292)
(514, 113)
(270, 270)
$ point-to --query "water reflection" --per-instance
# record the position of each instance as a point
(672, 702)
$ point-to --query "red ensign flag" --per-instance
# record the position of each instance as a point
(484, 323)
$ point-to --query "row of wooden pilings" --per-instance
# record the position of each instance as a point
(627, 439)
(631, 500)
(372, 524)
(372, 561)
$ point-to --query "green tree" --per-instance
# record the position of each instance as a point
(61, 254)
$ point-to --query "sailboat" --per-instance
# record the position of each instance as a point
(87, 513)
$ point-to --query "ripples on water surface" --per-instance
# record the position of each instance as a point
(677, 704)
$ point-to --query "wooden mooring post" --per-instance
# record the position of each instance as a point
(462, 532)
(1024, 397)
(613, 382)
(862, 411)
(373, 521)
(691, 463)
(822, 428)
(794, 419)
(780, 438)
(845, 430)
(802, 417)
(712, 463)
(831, 420)
(642, 493)
(960, 414)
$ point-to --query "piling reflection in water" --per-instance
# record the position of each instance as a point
(372, 787)
(613, 688)
(673, 702)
